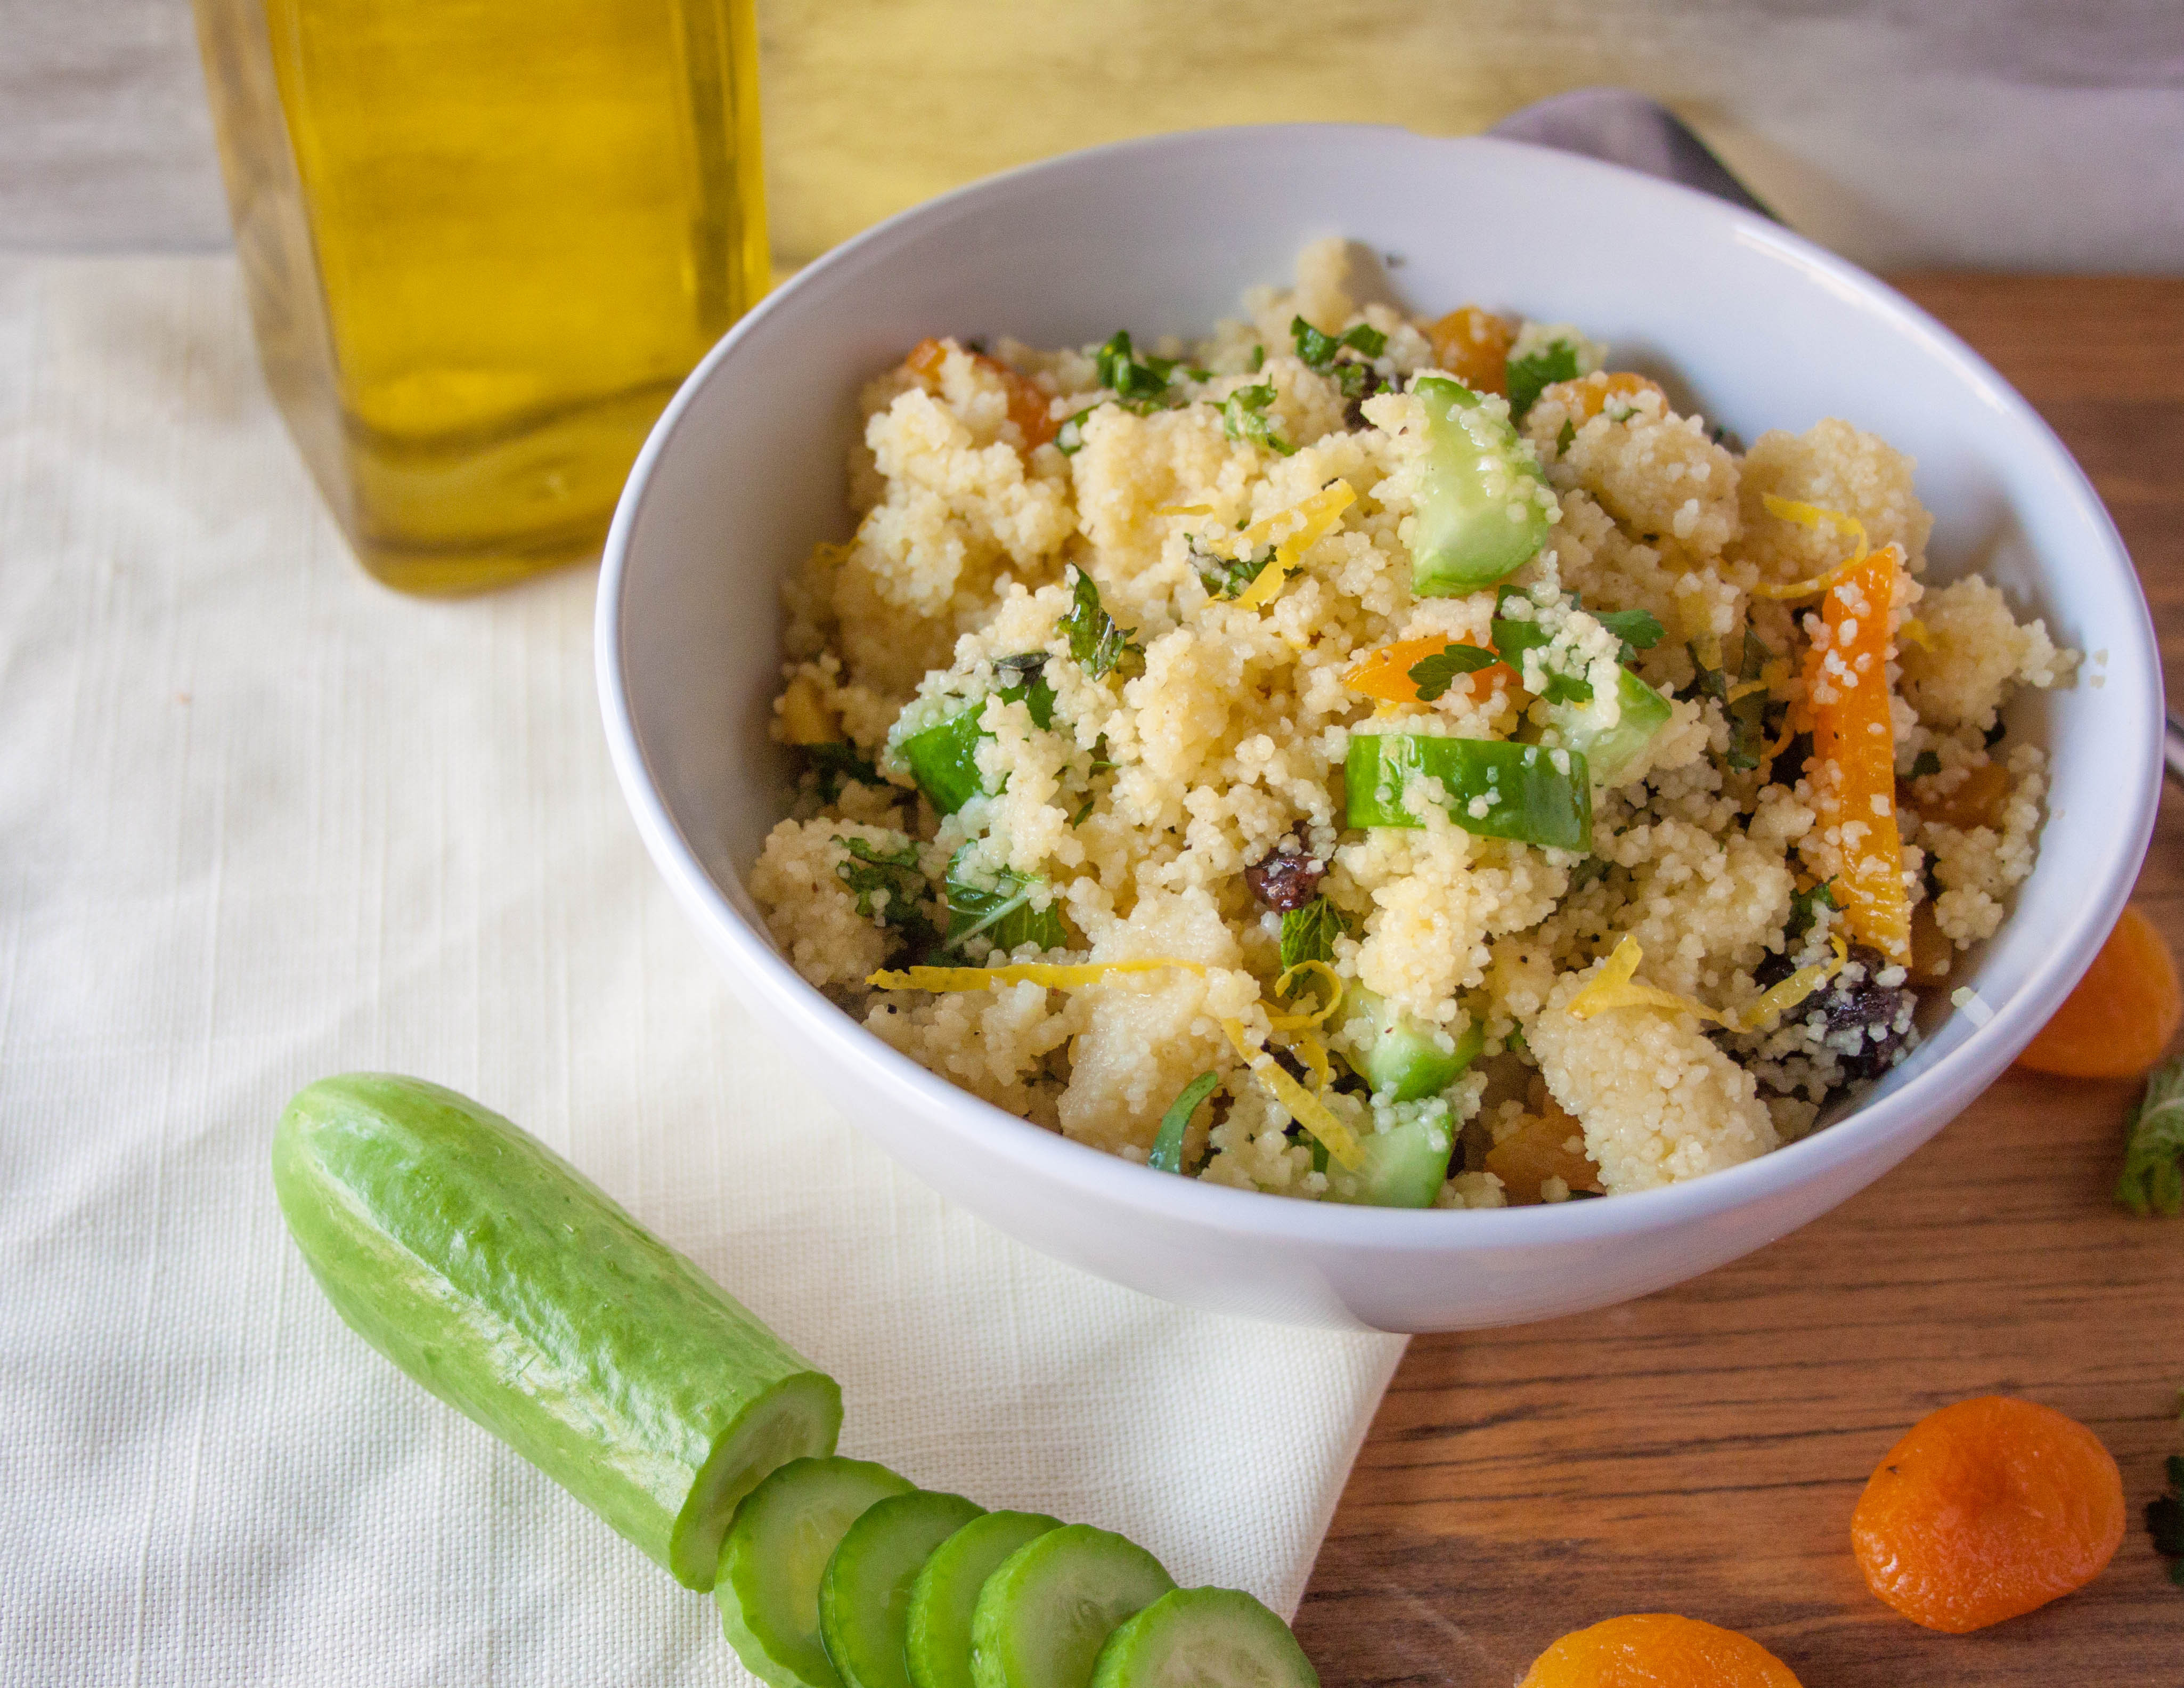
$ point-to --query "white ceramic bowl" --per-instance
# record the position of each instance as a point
(745, 472)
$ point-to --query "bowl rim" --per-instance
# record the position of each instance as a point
(1902, 1121)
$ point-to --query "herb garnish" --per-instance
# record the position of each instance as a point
(1805, 906)
(1308, 934)
(1532, 373)
(1069, 437)
(1318, 351)
(999, 906)
(1244, 416)
(1139, 384)
(1224, 577)
(1166, 1155)
(2153, 1150)
(1432, 674)
(1926, 762)
(1746, 712)
(1567, 438)
(891, 890)
(1636, 628)
(837, 763)
(1094, 640)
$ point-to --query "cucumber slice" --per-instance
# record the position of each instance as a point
(1484, 509)
(777, 1552)
(1607, 751)
(864, 1597)
(943, 757)
(1404, 1165)
(1401, 1059)
(1042, 1618)
(1204, 1638)
(1517, 791)
(938, 1643)
(510, 1286)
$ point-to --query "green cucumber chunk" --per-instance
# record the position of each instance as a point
(937, 1642)
(1516, 790)
(1405, 1165)
(1642, 711)
(943, 757)
(776, 1554)
(1204, 1638)
(510, 1286)
(1044, 1615)
(864, 1597)
(1483, 508)
(1400, 1059)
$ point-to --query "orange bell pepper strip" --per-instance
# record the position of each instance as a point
(1030, 409)
(1852, 768)
(1385, 674)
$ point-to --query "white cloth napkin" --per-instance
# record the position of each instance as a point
(261, 820)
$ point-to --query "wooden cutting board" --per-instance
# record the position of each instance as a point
(1700, 1451)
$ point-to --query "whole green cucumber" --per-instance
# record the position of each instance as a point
(510, 1286)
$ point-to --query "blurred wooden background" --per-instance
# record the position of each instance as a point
(2019, 134)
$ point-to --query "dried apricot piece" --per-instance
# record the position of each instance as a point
(1975, 799)
(1657, 1649)
(1588, 395)
(1987, 1509)
(1540, 1149)
(2120, 1019)
(1029, 408)
(1474, 346)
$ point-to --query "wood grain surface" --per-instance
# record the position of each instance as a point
(1700, 1450)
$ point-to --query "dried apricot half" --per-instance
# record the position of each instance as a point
(2120, 1019)
(1987, 1509)
(1657, 1649)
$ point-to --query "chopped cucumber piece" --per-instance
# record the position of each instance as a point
(777, 1552)
(943, 757)
(1484, 509)
(1404, 1165)
(506, 1283)
(1204, 1638)
(1608, 750)
(864, 1597)
(938, 1643)
(1494, 788)
(1043, 1616)
(1400, 1059)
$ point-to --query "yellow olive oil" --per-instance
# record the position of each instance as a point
(483, 240)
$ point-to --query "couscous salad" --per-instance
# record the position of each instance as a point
(1382, 760)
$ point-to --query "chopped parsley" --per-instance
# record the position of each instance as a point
(1433, 674)
(1166, 1155)
(2153, 1150)
(998, 906)
(891, 890)
(1139, 384)
(1244, 416)
(836, 764)
(1319, 351)
(1532, 374)
(1308, 934)
(1095, 641)
(1023, 680)
(1512, 639)
(1226, 578)
(1636, 628)
(1805, 906)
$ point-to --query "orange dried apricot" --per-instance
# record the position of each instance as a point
(1539, 1149)
(2120, 1019)
(1933, 954)
(1588, 395)
(1657, 1649)
(1987, 1509)
(1974, 801)
(1029, 408)
(1474, 346)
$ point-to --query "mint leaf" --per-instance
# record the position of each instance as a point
(1318, 351)
(1512, 639)
(1805, 906)
(1094, 640)
(2154, 1153)
(998, 907)
(1069, 437)
(890, 889)
(1244, 416)
(1308, 934)
(1140, 384)
(1636, 628)
(1532, 373)
(1166, 1155)
(1226, 578)
(837, 764)
(1433, 674)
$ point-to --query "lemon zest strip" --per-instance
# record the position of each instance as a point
(1913, 631)
(1304, 1022)
(1779, 999)
(1306, 1109)
(1055, 976)
(1314, 517)
(1313, 1053)
(1813, 516)
(1613, 986)
(1183, 510)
